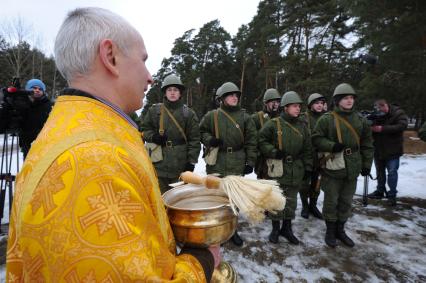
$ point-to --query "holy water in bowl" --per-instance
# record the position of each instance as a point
(203, 202)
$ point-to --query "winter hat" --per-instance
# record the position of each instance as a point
(35, 82)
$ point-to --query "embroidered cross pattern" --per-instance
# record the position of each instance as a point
(34, 266)
(51, 184)
(72, 277)
(111, 210)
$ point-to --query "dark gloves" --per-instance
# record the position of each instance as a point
(248, 169)
(189, 167)
(214, 142)
(159, 139)
(280, 154)
(365, 172)
(337, 147)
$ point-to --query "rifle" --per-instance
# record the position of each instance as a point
(365, 193)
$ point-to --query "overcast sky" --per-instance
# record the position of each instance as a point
(159, 21)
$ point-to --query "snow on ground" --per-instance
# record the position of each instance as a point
(390, 241)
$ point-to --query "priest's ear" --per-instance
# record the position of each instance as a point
(108, 52)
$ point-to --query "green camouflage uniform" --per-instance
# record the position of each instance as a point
(308, 188)
(235, 152)
(298, 150)
(339, 185)
(176, 153)
(260, 118)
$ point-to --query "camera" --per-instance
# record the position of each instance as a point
(374, 117)
(15, 102)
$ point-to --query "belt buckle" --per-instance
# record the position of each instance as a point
(229, 149)
(289, 159)
(169, 143)
(348, 151)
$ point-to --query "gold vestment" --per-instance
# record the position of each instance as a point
(87, 207)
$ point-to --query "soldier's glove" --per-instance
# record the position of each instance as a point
(365, 172)
(159, 139)
(189, 167)
(280, 154)
(248, 169)
(215, 142)
(337, 147)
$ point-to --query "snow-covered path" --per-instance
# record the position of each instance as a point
(390, 242)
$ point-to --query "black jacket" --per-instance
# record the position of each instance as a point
(33, 121)
(388, 144)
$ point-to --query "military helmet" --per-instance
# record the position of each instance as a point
(313, 97)
(344, 89)
(271, 94)
(290, 97)
(227, 87)
(172, 80)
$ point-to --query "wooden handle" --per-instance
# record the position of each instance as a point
(211, 182)
(192, 178)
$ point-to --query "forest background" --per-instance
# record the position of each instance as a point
(307, 46)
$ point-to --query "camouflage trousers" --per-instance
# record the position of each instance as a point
(338, 196)
(290, 192)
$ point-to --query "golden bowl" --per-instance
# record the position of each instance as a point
(224, 273)
(199, 217)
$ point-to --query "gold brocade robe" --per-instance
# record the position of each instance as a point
(87, 207)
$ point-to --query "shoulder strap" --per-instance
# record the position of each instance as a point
(161, 127)
(293, 128)
(279, 134)
(235, 123)
(174, 121)
(338, 118)
(215, 121)
(260, 114)
(308, 119)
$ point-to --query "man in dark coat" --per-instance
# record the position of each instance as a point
(35, 116)
(388, 147)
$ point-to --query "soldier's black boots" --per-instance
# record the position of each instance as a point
(236, 239)
(275, 233)
(330, 234)
(287, 232)
(341, 235)
(305, 208)
(313, 208)
(376, 195)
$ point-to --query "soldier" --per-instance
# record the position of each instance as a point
(286, 138)
(271, 101)
(347, 136)
(173, 126)
(310, 189)
(233, 132)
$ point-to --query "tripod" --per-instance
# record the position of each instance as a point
(6, 178)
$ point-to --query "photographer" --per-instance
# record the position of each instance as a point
(35, 116)
(388, 147)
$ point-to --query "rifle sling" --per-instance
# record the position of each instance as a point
(163, 107)
(235, 123)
